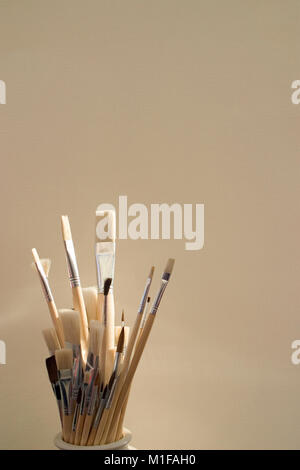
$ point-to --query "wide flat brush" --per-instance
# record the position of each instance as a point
(51, 340)
(64, 362)
(105, 262)
(138, 352)
(78, 300)
(90, 296)
(49, 297)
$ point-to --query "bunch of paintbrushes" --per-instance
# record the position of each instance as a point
(92, 362)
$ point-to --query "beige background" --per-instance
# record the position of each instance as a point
(163, 101)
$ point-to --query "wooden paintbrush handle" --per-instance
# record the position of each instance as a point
(79, 305)
(100, 303)
(57, 323)
(79, 428)
(67, 427)
(101, 426)
(92, 436)
(86, 429)
(130, 374)
(110, 325)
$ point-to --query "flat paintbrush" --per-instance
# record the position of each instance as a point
(53, 377)
(105, 262)
(51, 340)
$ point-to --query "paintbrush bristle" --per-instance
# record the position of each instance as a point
(70, 320)
(151, 272)
(51, 340)
(66, 229)
(90, 300)
(64, 359)
(107, 284)
(46, 265)
(96, 336)
(168, 269)
(121, 339)
(123, 317)
(52, 369)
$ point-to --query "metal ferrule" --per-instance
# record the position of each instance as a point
(65, 377)
(75, 418)
(116, 362)
(72, 264)
(82, 403)
(145, 296)
(89, 389)
(111, 394)
(159, 297)
(77, 377)
(105, 263)
(92, 404)
(44, 282)
(99, 412)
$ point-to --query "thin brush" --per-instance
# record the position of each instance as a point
(53, 377)
(82, 410)
(110, 433)
(105, 262)
(78, 300)
(98, 416)
(132, 339)
(104, 345)
(123, 319)
(64, 362)
(51, 340)
(48, 296)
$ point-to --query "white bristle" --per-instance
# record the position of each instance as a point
(71, 325)
(46, 264)
(64, 359)
(90, 300)
(96, 337)
(51, 340)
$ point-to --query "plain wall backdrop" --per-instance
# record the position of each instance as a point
(162, 101)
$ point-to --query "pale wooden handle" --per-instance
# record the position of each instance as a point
(101, 426)
(79, 305)
(56, 322)
(86, 429)
(100, 303)
(67, 427)
(110, 325)
(79, 428)
(130, 374)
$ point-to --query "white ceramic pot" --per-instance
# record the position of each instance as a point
(122, 444)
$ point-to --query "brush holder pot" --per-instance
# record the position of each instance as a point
(122, 444)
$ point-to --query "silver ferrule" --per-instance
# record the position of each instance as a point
(145, 296)
(65, 377)
(116, 362)
(99, 412)
(92, 404)
(158, 297)
(105, 263)
(75, 418)
(89, 389)
(44, 282)
(111, 394)
(72, 264)
(82, 403)
(77, 377)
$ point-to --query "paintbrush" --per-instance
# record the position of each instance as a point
(90, 412)
(144, 316)
(95, 344)
(129, 349)
(111, 430)
(98, 416)
(105, 262)
(104, 345)
(78, 300)
(82, 409)
(49, 297)
(75, 416)
(53, 377)
(64, 362)
(51, 340)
